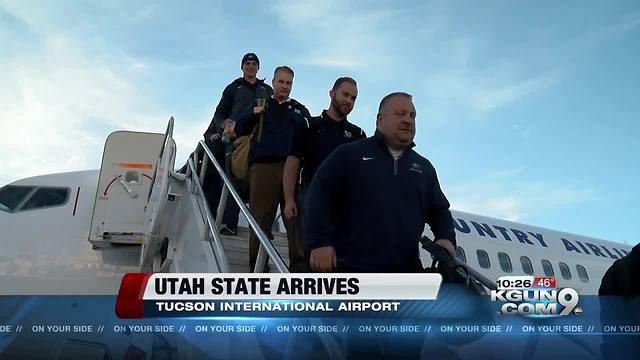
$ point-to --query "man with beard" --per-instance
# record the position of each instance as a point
(313, 141)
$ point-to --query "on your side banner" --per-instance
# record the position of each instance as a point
(199, 294)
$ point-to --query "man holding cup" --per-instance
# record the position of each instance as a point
(276, 118)
(238, 100)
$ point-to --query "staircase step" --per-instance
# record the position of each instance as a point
(237, 250)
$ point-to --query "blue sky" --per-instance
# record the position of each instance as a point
(529, 111)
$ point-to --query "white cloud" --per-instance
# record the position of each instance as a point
(342, 63)
(338, 34)
(507, 208)
(506, 195)
(460, 89)
(434, 57)
(57, 107)
(627, 23)
(136, 64)
(488, 98)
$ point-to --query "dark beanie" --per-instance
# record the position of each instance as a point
(250, 56)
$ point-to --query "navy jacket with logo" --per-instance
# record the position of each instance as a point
(238, 99)
(279, 120)
(316, 138)
(372, 208)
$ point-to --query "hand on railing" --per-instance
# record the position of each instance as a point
(444, 263)
(455, 271)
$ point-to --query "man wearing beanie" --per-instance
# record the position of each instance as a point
(238, 99)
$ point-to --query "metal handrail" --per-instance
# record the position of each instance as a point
(167, 136)
(485, 281)
(266, 247)
(440, 254)
(218, 248)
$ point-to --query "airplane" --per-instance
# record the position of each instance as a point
(79, 232)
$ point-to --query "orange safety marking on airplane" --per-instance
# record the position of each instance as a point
(135, 166)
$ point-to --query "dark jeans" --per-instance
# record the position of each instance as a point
(222, 153)
(212, 184)
(213, 191)
(303, 264)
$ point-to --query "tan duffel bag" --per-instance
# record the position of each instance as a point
(241, 150)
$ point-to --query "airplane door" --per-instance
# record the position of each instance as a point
(128, 168)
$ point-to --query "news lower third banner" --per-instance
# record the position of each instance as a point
(251, 316)
(274, 295)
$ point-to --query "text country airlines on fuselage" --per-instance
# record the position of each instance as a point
(535, 239)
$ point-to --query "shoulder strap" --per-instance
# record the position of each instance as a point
(260, 122)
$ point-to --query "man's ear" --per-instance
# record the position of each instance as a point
(379, 119)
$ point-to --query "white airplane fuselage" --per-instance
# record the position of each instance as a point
(46, 251)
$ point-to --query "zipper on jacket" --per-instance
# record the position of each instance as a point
(395, 161)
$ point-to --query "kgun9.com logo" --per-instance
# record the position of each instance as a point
(534, 296)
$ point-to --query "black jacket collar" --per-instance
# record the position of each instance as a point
(326, 116)
(243, 81)
(379, 139)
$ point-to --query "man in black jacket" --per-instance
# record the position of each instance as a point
(274, 124)
(313, 141)
(623, 277)
(369, 200)
(620, 305)
(238, 99)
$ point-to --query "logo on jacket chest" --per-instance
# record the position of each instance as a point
(295, 110)
(416, 168)
(347, 134)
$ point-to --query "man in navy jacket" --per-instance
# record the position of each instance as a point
(274, 124)
(238, 99)
(370, 199)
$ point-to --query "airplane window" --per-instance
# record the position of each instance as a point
(483, 259)
(460, 254)
(547, 267)
(526, 265)
(505, 262)
(582, 273)
(564, 270)
(12, 195)
(46, 197)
